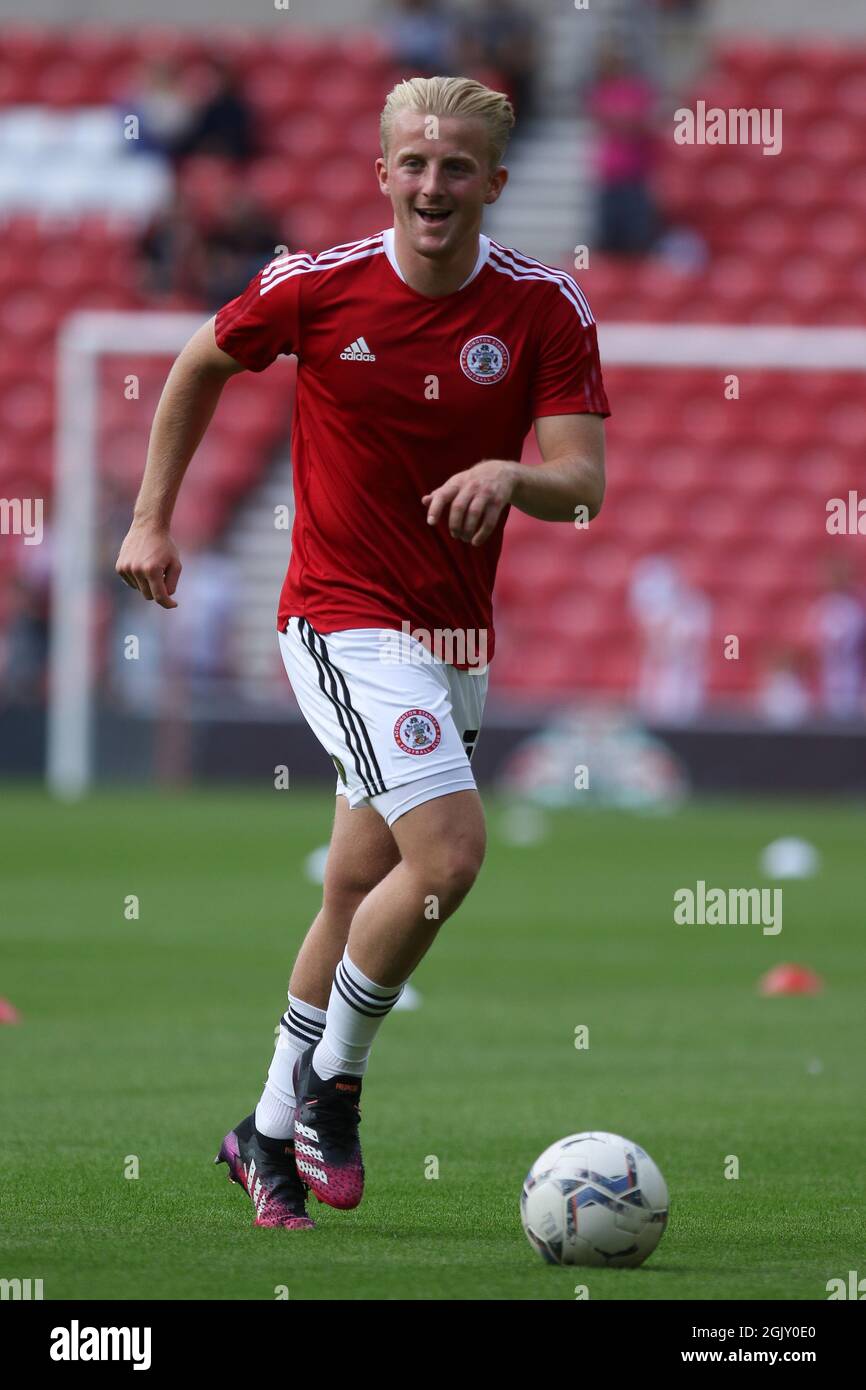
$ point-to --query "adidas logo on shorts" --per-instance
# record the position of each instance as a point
(358, 351)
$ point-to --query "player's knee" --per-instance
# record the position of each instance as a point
(455, 867)
(346, 887)
(457, 878)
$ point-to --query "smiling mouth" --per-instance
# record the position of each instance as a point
(432, 216)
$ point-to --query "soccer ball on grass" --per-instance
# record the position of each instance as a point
(594, 1199)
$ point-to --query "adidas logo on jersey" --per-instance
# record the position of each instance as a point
(357, 352)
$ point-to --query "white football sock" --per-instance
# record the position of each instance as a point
(300, 1025)
(356, 1009)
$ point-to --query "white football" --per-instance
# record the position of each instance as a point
(594, 1199)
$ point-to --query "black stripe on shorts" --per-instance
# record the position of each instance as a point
(353, 726)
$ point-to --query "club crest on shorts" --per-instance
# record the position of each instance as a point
(417, 731)
(484, 359)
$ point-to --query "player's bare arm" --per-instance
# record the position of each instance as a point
(571, 475)
(149, 559)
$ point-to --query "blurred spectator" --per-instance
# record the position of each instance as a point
(236, 246)
(165, 110)
(422, 34)
(502, 36)
(26, 646)
(198, 636)
(172, 252)
(222, 124)
(622, 102)
(674, 623)
(24, 652)
(838, 621)
(783, 694)
(683, 250)
(208, 262)
(179, 651)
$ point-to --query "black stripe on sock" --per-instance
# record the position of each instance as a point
(367, 994)
(346, 989)
(298, 1033)
(359, 1008)
(302, 1021)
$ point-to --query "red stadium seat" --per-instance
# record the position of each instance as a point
(308, 137)
(277, 184)
(341, 182)
(65, 83)
(834, 141)
(275, 103)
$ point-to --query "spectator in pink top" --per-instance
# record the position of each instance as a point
(623, 102)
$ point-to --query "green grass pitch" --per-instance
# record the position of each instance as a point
(150, 1038)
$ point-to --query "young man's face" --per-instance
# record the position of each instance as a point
(449, 175)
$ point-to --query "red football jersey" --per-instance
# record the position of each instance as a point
(395, 393)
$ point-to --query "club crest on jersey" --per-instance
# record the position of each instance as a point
(484, 359)
(417, 731)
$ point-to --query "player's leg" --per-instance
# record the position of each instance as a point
(441, 845)
(437, 821)
(437, 824)
(260, 1150)
(438, 827)
(362, 851)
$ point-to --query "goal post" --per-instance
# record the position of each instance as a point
(87, 336)
(84, 338)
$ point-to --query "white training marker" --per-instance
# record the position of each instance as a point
(790, 858)
(523, 825)
(409, 999)
(314, 864)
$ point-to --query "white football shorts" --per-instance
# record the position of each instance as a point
(399, 724)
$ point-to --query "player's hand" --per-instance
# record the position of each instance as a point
(149, 561)
(474, 500)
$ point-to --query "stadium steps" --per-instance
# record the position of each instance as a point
(546, 210)
(261, 554)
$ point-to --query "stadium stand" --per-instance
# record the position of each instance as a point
(736, 492)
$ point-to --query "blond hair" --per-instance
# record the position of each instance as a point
(450, 96)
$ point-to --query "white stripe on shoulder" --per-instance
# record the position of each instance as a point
(305, 264)
(279, 267)
(520, 267)
(332, 251)
(287, 258)
(557, 271)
